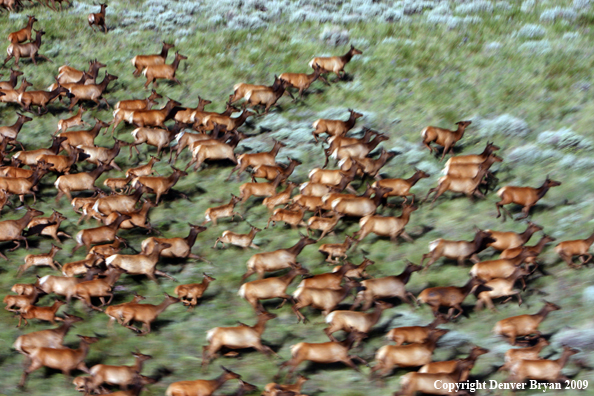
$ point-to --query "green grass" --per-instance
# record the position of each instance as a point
(411, 74)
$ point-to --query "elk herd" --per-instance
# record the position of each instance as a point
(329, 199)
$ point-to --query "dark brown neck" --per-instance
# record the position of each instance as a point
(164, 52)
(346, 58)
(96, 129)
(414, 179)
(288, 277)
(18, 124)
(467, 288)
(405, 275)
(163, 306)
(351, 121)
(590, 239)
(217, 383)
(116, 224)
(191, 238)
(542, 314)
(297, 248)
(175, 63)
(95, 173)
(63, 329)
(38, 40)
(261, 325)
(373, 143)
(12, 80)
(103, 84)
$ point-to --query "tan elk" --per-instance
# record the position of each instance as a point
(81, 181)
(227, 210)
(514, 355)
(449, 366)
(324, 224)
(335, 64)
(75, 120)
(164, 71)
(98, 234)
(115, 311)
(40, 313)
(450, 297)
(101, 288)
(444, 137)
(242, 240)
(579, 247)
(39, 260)
(159, 185)
(190, 293)
(414, 334)
(523, 325)
(401, 187)
(335, 127)
(360, 271)
(25, 33)
(50, 338)
(282, 198)
(458, 250)
(124, 376)
(501, 287)
(303, 81)
(523, 196)
(10, 230)
(180, 247)
(336, 250)
(142, 61)
(325, 300)
(542, 369)
(141, 264)
(510, 240)
(252, 160)
(201, 387)
(145, 313)
(392, 226)
(350, 320)
(31, 50)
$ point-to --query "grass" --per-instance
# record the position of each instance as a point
(415, 72)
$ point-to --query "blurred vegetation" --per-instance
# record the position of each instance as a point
(521, 71)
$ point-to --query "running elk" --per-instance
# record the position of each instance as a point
(145, 313)
(75, 120)
(349, 320)
(99, 234)
(190, 293)
(159, 185)
(25, 33)
(325, 300)
(444, 137)
(542, 369)
(163, 71)
(458, 250)
(414, 382)
(142, 61)
(101, 288)
(180, 247)
(334, 64)
(265, 97)
(302, 81)
(214, 213)
(391, 226)
(523, 325)
(448, 367)
(335, 127)
(514, 355)
(449, 297)
(98, 19)
(141, 264)
(567, 249)
(200, 387)
(501, 287)
(81, 181)
(336, 250)
(511, 240)
(31, 50)
(124, 376)
(523, 196)
(473, 158)
(91, 92)
(39, 260)
(10, 230)
(40, 313)
(242, 240)
(51, 338)
(414, 334)
(468, 186)
(252, 160)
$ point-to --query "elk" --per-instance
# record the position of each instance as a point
(523, 196)
(324, 224)
(302, 81)
(184, 139)
(39, 98)
(40, 260)
(386, 287)
(142, 61)
(103, 154)
(386, 225)
(355, 151)
(115, 311)
(138, 218)
(23, 289)
(82, 138)
(369, 166)
(468, 186)
(238, 337)
(335, 127)
(190, 293)
(51, 338)
(242, 89)
(333, 177)
(450, 297)
(118, 203)
(25, 185)
(242, 240)
(273, 287)
(246, 160)
(12, 80)
(64, 359)
(91, 92)
(98, 234)
(98, 288)
(523, 325)
(200, 387)
(281, 198)
(63, 163)
(537, 249)
(12, 95)
(292, 216)
(336, 250)
(411, 355)
(124, 108)
(108, 249)
(311, 203)
(82, 266)
(25, 33)
(212, 150)
(199, 117)
(10, 230)
(63, 285)
(118, 183)
(81, 181)
(349, 320)
(145, 313)
(359, 271)
(414, 334)
(414, 382)
(329, 280)
(511, 240)
(159, 185)
(248, 190)
(325, 352)
(542, 369)
(124, 376)
(514, 355)
(265, 97)
(490, 148)
(141, 264)
(334, 64)
(499, 268)
(214, 213)
(75, 120)
(21, 301)
(276, 260)
(10, 133)
(98, 19)
(272, 388)
(31, 50)
(501, 287)
(69, 75)
(152, 118)
(41, 313)
(163, 71)
(360, 206)
(143, 170)
(269, 172)
(449, 366)
(230, 123)
(579, 247)
(444, 137)
(180, 247)
(470, 169)
(325, 300)
(458, 250)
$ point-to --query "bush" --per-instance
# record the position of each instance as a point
(335, 36)
(531, 154)
(564, 138)
(528, 5)
(536, 47)
(251, 22)
(553, 14)
(506, 125)
(581, 4)
(531, 31)
(474, 7)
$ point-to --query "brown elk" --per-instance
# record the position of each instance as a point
(63, 163)
(414, 382)
(266, 97)
(12, 80)
(51, 338)
(242, 89)
(138, 218)
(325, 300)
(282, 198)
(25, 33)
(303, 81)
(273, 287)
(75, 120)
(499, 268)
(411, 355)
(490, 148)
(159, 185)
(115, 311)
(444, 137)
(40, 313)
(252, 160)
(124, 108)
(360, 271)
(104, 155)
(82, 138)
(98, 288)
(238, 337)
(450, 297)
(124, 376)
(10, 230)
(180, 247)
(10, 132)
(199, 118)
(514, 355)
(335, 127)
(325, 352)
(355, 151)
(276, 260)
(22, 300)
(39, 260)
(163, 71)
(142, 61)
(470, 169)
(269, 172)
(386, 287)
(152, 118)
(360, 206)
(330, 280)
(332, 177)
(510, 240)
(292, 215)
(81, 181)
(449, 366)
(98, 234)
(324, 224)
(579, 247)
(523, 196)
(200, 387)
(23, 289)
(25, 185)
(145, 313)
(64, 359)
(98, 19)
(64, 285)
(242, 240)
(468, 186)
(91, 92)
(39, 98)
(335, 64)
(214, 213)
(118, 184)
(369, 166)
(349, 320)
(141, 264)
(336, 250)
(12, 95)
(143, 170)
(501, 287)
(272, 388)
(537, 249)
(523, 325)
(312, 204)
(248, 190)
(542, 369)
(458, 250)
(69, 75)
(118, 203)
(230, 123)
(108, 249)
(391, 226)
(31, 50)
(414, 334)
(80, 267)
(190, 293)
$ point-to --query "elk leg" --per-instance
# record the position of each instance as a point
(300, 316)
(406, 237)
(161, 273)
(349, 363)
(365, 362)
(16, 247)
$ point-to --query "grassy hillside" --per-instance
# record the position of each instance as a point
(521, 71)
